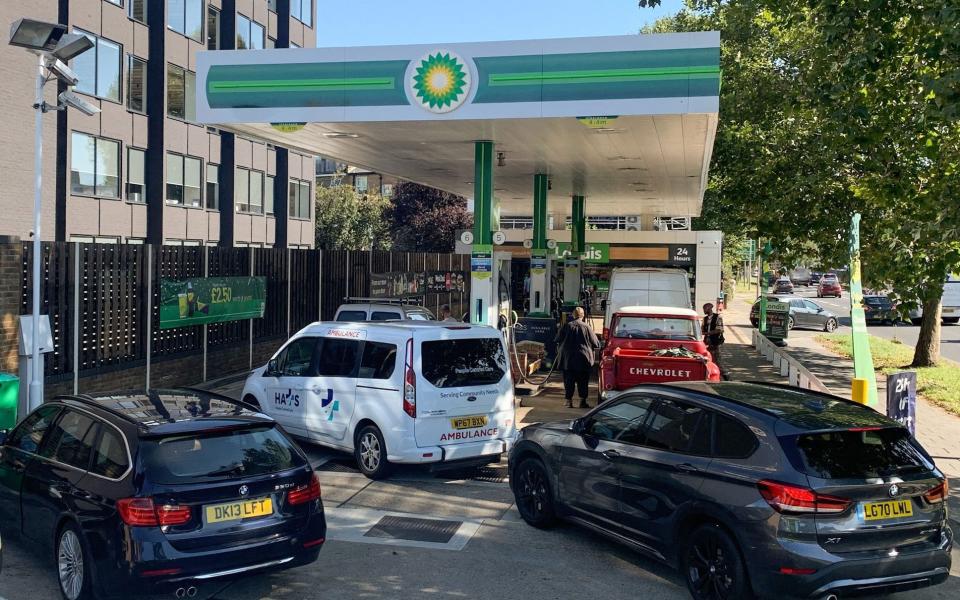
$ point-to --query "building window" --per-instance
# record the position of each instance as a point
(117, 2)
(98, 69)
(135, 241)
(183, 180)
(213, 187)
(94, 166)
(387, 190)
(248, 189)
(213, 28)
(181, 93)
(299, 199)
(136, 179)
(137, 10)
(268, 194)
(271, 43)
(89, 239)
(186, 17)
(302, 10)
(360, 183)
(272, 5)
(250, 34)
(136, 84)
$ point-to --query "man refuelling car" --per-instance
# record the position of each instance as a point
(653, 344)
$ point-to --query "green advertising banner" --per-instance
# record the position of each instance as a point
(862, 358)
(594, 254)
(203, 300)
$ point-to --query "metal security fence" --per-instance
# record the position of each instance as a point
(104, 299)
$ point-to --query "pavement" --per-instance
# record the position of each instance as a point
(493, 553)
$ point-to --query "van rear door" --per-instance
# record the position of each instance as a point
(464, 390)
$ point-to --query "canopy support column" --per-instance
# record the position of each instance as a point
(483, 279)
(539, 261)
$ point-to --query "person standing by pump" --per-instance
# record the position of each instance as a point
(576, 343)
(713, 333)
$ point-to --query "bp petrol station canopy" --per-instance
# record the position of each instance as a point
(627, 121)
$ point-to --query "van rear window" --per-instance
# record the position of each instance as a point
(464, 362)
(859, 453)
(351, 316)
(199, 457)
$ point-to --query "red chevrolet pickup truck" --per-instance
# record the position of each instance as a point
(653, 344)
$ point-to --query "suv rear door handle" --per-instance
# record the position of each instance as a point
(687, 468)
(610, 454)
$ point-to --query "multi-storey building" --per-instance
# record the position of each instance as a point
(143, 170)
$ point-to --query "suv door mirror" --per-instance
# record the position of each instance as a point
(4, 434)
(578, 426)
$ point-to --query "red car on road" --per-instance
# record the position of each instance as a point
(829, 286)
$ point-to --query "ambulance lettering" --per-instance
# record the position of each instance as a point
(471, 434)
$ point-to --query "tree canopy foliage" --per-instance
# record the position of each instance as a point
(349, 220)
(829, 108)
(426, 219)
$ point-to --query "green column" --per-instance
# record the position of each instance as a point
(578, 234)
(482, 192)
(539, 211)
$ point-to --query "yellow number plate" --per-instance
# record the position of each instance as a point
(468, 422)
(895, 509)
(234, 511)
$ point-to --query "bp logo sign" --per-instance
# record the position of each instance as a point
(440, 81)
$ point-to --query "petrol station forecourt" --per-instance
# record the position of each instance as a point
(614, 126)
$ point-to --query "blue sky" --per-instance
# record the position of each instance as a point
(380, 22)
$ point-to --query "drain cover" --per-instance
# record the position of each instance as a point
(416, 530)
(339, 465)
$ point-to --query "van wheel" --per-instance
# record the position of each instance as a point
(370, 451)
(73, 564)
(712, 566)
(533, 495)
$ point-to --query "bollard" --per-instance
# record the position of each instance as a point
(858, 391)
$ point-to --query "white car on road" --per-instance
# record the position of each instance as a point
(399, 392)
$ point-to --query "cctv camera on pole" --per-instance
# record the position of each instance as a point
(54, 48)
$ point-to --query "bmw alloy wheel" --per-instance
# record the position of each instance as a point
(709, 569)
(70, 564)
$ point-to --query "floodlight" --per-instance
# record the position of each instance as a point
(71, 45)
(36, 35)
(62, 71)
(75, 101)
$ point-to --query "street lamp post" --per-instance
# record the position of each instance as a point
(54, 47)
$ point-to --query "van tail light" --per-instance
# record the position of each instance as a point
(305, 493)
(792, 499)
(409, 384)
(938, 494)
(142, 512)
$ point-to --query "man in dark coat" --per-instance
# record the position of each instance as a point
(576, 343)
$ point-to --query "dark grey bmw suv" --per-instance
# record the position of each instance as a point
(749, 489)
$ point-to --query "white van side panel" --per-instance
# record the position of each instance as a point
(648, 287)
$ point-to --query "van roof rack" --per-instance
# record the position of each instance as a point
(417, 300)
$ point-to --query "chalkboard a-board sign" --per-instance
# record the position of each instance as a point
(902, 399)
(778, 317)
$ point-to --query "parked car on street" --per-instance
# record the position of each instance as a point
(804, 313)
(783, 286)
(949, 303)
(380, 311)
(653, 344)
(157, 491)
(401, 392)
(749, 489)
(829, 286)
(878, 308)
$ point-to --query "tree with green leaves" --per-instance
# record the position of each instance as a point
(349, 220)
(832, 108)
(425, 219)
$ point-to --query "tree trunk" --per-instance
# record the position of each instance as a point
(927, 352)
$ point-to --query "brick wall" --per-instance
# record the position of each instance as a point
(11, 271)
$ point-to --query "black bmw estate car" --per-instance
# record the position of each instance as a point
(157, 491)
(749, 489)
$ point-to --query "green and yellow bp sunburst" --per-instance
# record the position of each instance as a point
(441, 81)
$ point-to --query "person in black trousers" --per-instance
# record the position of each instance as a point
(576, 343)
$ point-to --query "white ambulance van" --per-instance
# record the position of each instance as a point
(395, 392)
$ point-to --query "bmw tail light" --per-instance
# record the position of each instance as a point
(937, 494)
(305, 493)
(793, 499)
(142, 512)
(409, 383)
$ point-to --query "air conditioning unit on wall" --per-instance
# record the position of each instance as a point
(634, 223)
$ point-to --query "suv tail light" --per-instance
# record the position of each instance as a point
(409, 383)
(142, 512)
(937, 494)
(793, 499)
(305, 493)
